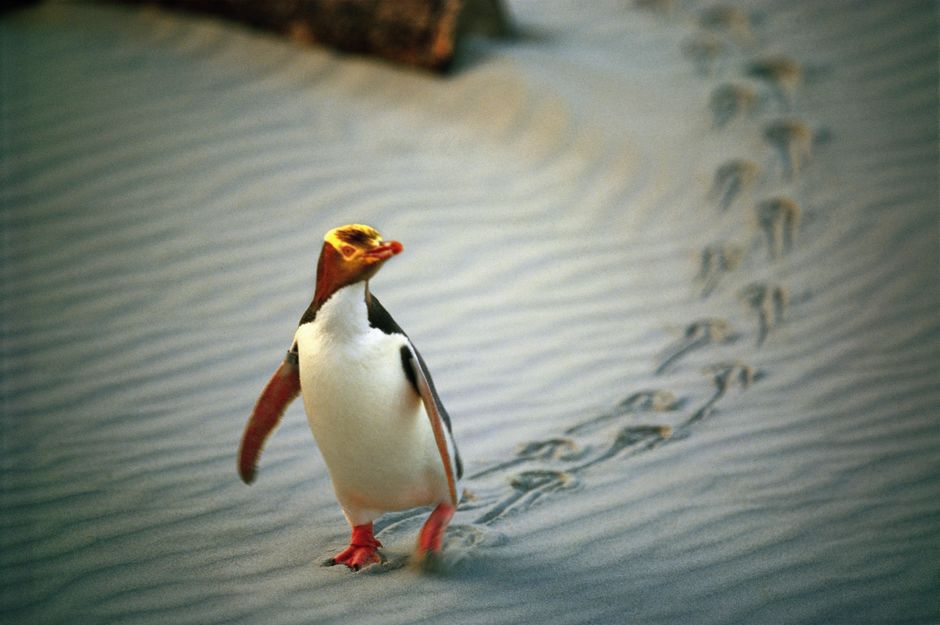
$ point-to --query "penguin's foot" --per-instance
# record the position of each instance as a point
(363, 549)
(431, 537)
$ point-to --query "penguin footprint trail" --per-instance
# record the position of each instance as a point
(640, 423)
(742, 87)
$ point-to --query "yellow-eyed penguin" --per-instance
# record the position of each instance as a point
(369, 398)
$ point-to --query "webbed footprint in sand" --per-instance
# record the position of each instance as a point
(716, 261)
(635, 438)
(793, 139)
(782, 73)
(527, 488)
(730, 101)
(769, 302)
(725, 376)
(732, 179)
(779, 218)
(563, 449)
(697, 334)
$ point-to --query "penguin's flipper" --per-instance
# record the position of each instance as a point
(434, 415)
(281, 390)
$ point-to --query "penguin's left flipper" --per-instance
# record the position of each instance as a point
(281, 390)
(413, 364)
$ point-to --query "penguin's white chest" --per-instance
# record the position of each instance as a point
(368, 422)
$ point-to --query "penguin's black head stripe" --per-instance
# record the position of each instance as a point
(354, 236)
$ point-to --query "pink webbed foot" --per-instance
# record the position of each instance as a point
(363, 549)
(431, 537)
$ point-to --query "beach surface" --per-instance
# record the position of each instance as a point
(675, 269)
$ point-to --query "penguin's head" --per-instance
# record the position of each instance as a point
(361, 246)
(351, 254)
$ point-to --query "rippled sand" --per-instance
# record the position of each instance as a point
(676, 270)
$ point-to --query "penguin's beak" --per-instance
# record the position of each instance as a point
(384, 251)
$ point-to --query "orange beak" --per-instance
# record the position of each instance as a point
(384, 251)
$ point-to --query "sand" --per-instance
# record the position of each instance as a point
(676, 272)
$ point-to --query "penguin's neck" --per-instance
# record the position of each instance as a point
(345, 313)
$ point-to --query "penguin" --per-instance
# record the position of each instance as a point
(370, 401)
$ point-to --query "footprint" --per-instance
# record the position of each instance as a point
(781, 73)
(541, 480)
(725, 376)
(769, 302)
(528, 487)
(729, 101)
(464, 536)
(732, 179)
(793, 140)
(728, 375)
(779, 218)
(637, 438)
(697, 334)
(717, 260)
(655, 400)
(562, 449)
(461, 539)
(390, 562)
(551, 449)
(642, 401)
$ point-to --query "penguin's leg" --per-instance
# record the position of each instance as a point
(363, 549)
(431, 536)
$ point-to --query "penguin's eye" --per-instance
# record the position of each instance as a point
(347, 250)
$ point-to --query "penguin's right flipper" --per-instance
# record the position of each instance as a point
(420, 379)
(281, 390)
